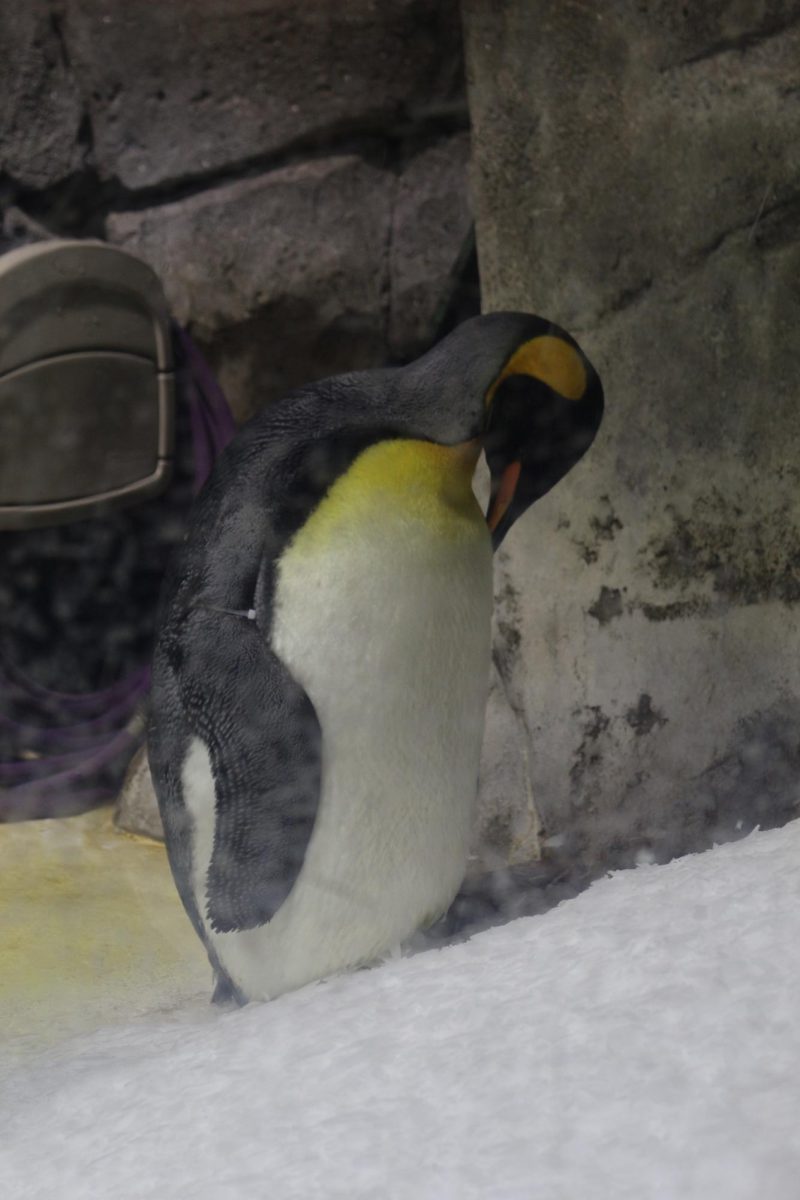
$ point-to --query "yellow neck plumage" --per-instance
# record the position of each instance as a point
(422, 482)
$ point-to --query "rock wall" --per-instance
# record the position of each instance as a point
(637, 178)
(296, 173)
(295, 273)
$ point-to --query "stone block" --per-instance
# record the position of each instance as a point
(282, 276)
(326, 266)
(137, 808)
(192, 86)
(620, 142)
(430, 236)
(39, 100)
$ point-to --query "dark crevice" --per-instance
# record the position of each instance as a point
(461, 299)
(712, 246)
(78, 205)
(771, 225)
(85, 139)
(57, 28)
(625, 298)
(74, 207)
(386, 263)
(506, 644)
(464, 297)
(741, 43)
(779, 225)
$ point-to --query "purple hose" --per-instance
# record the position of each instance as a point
(211, 419)
(72, 750)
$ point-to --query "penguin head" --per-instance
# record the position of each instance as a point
(542, 413)
(523, 386)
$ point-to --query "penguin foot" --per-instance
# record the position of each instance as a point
(227, 993)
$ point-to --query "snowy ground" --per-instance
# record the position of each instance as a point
(640, 1041)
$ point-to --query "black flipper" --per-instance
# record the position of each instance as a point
(264, 741)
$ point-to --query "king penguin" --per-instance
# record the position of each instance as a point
(321, 666)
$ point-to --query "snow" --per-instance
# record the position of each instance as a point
(639, 1041)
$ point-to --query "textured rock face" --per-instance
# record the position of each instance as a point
(430, 234)
(641, 136)
(137, 807)
(190, 86)
(297, 173)
(637, 174)
(40, 108)
(324, 266)
(283, 275)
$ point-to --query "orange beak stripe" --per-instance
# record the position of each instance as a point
(505, 494)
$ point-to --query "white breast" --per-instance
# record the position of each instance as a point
(387, 627)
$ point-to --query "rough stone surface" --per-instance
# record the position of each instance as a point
(40, 107)
(137, 807)
(296, 173)
(637, 178)
(191, 86)
(430, 236)
(284, 275)
(324, 266)
(642, 136)
(508, 828)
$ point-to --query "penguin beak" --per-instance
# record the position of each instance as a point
(534, 436)
(503, 488)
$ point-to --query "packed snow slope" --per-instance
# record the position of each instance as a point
(640, 1041)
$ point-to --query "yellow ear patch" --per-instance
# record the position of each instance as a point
(550, 359)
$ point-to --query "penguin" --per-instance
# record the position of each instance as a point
(322, 659)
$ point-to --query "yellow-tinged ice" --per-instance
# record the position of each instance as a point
(91, 931)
